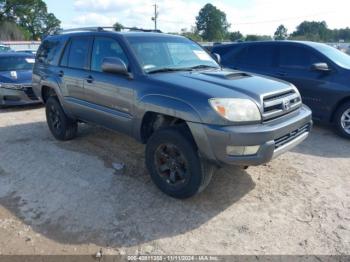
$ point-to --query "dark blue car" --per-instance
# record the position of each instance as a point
(16, 79)
(320, 72)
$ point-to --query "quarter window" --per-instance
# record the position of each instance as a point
(106, 47)
(49, 51)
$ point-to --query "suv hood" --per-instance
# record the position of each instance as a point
(225, 83)
(20, 76)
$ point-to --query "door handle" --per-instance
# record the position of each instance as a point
(60, 73)
(282, 73)
(89, 79)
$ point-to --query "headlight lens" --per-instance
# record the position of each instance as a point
(236, 109)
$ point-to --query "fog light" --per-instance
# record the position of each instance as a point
(242, 150)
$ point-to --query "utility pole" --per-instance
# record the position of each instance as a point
(155, 16)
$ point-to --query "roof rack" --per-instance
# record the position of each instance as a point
(103, 29)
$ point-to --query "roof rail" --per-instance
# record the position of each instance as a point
(103, 29)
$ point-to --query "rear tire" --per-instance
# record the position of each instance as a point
(61, 126)
(174, 164)
(342, 120)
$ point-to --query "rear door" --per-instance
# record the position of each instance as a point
(109, 96)
(73, 69)
(294, 65)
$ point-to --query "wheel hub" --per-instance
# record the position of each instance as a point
(345, 121)
(55, 118)
(171, 164)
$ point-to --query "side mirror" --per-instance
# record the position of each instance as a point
(217, 57)
(322, 67)
(114, 65)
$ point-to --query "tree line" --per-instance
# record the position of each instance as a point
(212, 25)
(26, 20)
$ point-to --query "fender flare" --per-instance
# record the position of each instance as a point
(53, 84)
(165, 105)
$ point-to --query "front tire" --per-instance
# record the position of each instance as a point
(174, 164)
(342, 120)
(61, 126)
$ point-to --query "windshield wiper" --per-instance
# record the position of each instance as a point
(172, 69)
(168, 69)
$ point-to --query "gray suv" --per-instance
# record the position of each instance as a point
(170, 94)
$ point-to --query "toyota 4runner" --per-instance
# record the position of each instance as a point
(170, 94)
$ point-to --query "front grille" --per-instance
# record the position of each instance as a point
(281, 103)
(291, 136)
(28, 90)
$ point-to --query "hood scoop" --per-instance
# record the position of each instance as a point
(227, 75)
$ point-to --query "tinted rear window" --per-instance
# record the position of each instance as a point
(50, 51)
(256, 55)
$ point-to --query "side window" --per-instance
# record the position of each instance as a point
(297, 57)
(49, 51)
(105, 47)
(78, 52)
(257, 56)
(227, 53)
(239, 56)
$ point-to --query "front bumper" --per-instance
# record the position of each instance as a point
(274, 138)
(12, 97)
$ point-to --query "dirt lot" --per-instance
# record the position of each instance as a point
(66, 198)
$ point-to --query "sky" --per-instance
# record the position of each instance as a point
(248, 16)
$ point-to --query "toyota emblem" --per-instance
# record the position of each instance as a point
(286, 105)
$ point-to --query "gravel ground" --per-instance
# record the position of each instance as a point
(66, 198)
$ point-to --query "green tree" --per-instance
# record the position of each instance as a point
(235, 36)
(211, 23)
(51, 24)
(314, 31)
(341, 34)
(192, 34)
(281, 33)
(32, 15)
(258, 38)
(118, 27)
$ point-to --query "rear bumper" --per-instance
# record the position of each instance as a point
(274, 138)
(10, 97)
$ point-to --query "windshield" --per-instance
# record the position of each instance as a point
(157, 53)
(335, 55)
(13, 63)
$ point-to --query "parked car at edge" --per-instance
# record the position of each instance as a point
(4, 48)
(16, 79)
(320, 72)
(167, 92)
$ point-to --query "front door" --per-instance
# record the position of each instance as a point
(111, 96)
(295, 66)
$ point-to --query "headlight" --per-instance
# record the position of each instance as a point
(236, 109)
